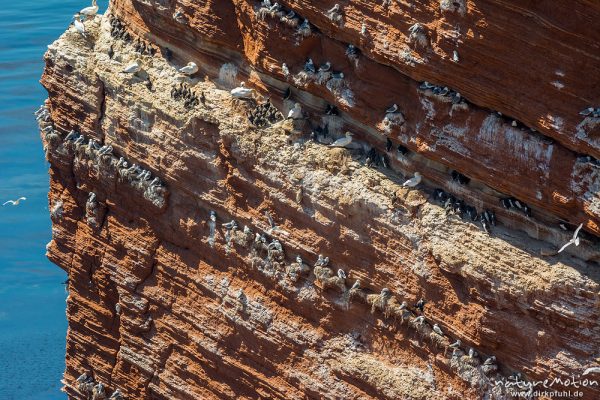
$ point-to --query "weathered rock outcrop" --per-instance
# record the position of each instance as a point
(191, 223)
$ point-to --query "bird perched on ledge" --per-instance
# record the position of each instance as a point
(133, 68)
(343, 142)
(414, 181)
(79, 26)
(90, 12)
(190, 69)
(242, 92)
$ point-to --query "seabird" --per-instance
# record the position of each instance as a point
(472, 353)
(71, 135)
(514, 123)
(356, 285)
(79, 26)
(325, 67)
(414, 181)
(456, 344)
(309, 66)
(133, 68)
(334, 9)
(484, 223)
(392, 109)
(15, 202)
(527, 211)
(190, 69)
(436, 329)
(506, 203)
(341, 273)
(363, 29)
(490, 360)
(90, 11)
(343, 142)
(574, 240)
(587, 111)
(242, 92)
(290, 15)
(455, 56)
(420, 305)
(296, 112)
(420, 320)
(284, 69)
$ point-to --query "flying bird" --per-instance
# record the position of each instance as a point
(574, 240)
(15, 202)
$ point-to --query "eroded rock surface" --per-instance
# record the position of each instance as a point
(204, 242)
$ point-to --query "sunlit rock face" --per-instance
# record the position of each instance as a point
(217, 249)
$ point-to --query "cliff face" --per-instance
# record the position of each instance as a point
(170, 299)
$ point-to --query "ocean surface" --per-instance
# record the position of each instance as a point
(33, 325)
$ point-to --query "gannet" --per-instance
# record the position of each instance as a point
(414, 181)
(190, 69)
(296, 112)
(90, 11)
(242, 92)
(133, 68)
(79, 26)
(15, 202)
(343, 142)
(574, 240)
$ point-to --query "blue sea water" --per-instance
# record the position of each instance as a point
(32, 299)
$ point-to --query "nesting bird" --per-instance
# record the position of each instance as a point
(242, 92)
(343, 142)
(190, 69)
(296, 112)
(91, 11)
(414, 181)
(133, 68)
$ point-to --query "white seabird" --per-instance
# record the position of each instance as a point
(296, 112)
(90, 11)
(133, 68)
(574, 240)
(341, 273)
(343, 142)
(242, 92)
(190, 69)
(15, 202)
(79, 26)
(414, 181)
(591, 370)
(436, 329)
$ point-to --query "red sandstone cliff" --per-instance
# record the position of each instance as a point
(165, 303)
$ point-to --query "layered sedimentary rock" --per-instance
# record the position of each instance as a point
(204, 235)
